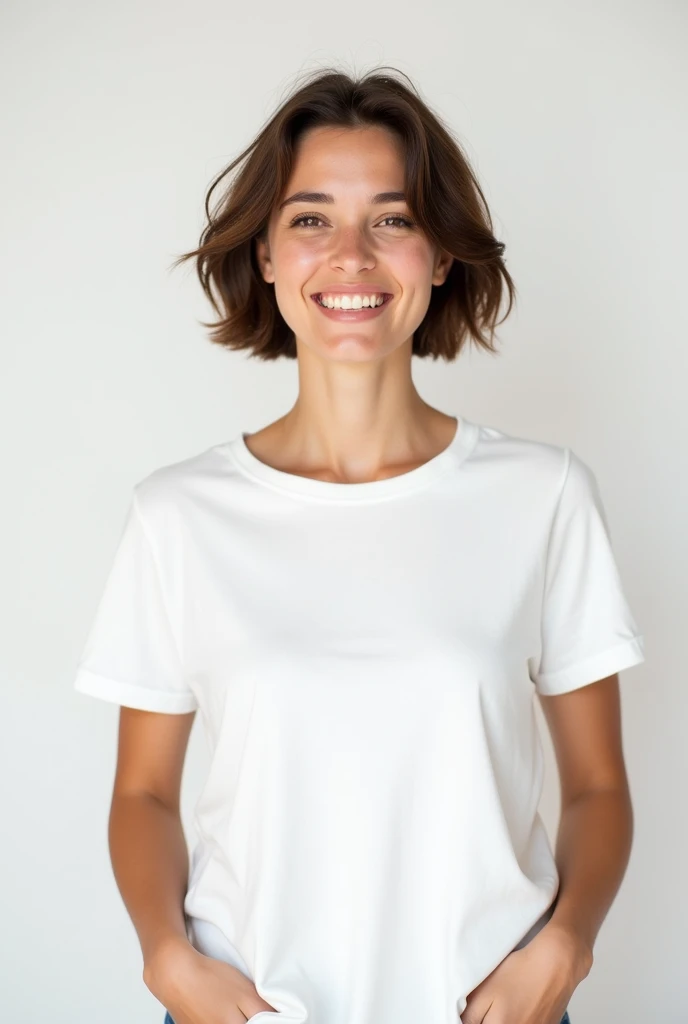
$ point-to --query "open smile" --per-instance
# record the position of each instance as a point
(357, 306)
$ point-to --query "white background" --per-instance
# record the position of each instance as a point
(115, 118)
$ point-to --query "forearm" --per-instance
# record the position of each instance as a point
(150, 862)
(592, 852)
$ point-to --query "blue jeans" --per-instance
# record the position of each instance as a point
(564, 1020)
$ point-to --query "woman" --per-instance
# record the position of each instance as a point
(362, 599)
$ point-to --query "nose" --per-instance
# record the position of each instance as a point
(351, 251)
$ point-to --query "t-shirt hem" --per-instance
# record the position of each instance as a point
(131, 696)
(589, 670)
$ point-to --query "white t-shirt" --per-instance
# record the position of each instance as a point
(365, 658)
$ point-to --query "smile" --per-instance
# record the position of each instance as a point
(351, 308)
(351, 301)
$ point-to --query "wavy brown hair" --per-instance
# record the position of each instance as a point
(443, 196)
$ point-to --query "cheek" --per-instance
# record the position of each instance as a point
(295, 265)
(411, 263)
(301, 252)
(292, 265)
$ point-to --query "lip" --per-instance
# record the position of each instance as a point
(362, 288)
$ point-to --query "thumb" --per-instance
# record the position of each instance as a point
(475, 1012)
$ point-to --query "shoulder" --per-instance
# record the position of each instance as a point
(167, 491)
(531, 460)
(538, 470)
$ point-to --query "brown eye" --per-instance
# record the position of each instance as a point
(404, 221)
(304, 217)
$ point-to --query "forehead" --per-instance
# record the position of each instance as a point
(347, 159)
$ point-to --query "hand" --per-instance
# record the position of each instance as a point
(197, 989)
(532, 985)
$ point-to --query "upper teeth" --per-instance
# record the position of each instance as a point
(350, 301)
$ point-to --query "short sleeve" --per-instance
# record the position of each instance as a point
(587, 630)
(131, 655)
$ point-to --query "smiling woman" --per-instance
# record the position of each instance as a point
(363, 599)
(376, 132)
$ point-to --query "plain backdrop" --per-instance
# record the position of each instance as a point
(115, 117)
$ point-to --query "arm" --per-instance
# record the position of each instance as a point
(147, 845)
(150, 862)
(596, 823)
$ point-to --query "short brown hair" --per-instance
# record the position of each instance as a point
(443, 195)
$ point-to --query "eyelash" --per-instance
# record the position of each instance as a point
(392, 216)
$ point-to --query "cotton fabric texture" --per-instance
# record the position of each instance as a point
(365, 659)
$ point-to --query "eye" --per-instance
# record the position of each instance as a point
(303, 217)
(404, 221)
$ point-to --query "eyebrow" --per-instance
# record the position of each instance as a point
(326, 197)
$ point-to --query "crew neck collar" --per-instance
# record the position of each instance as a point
(454, 454)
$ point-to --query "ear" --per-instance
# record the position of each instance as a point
(263, 258)
(442, 267)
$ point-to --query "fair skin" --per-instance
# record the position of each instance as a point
(358, 417)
